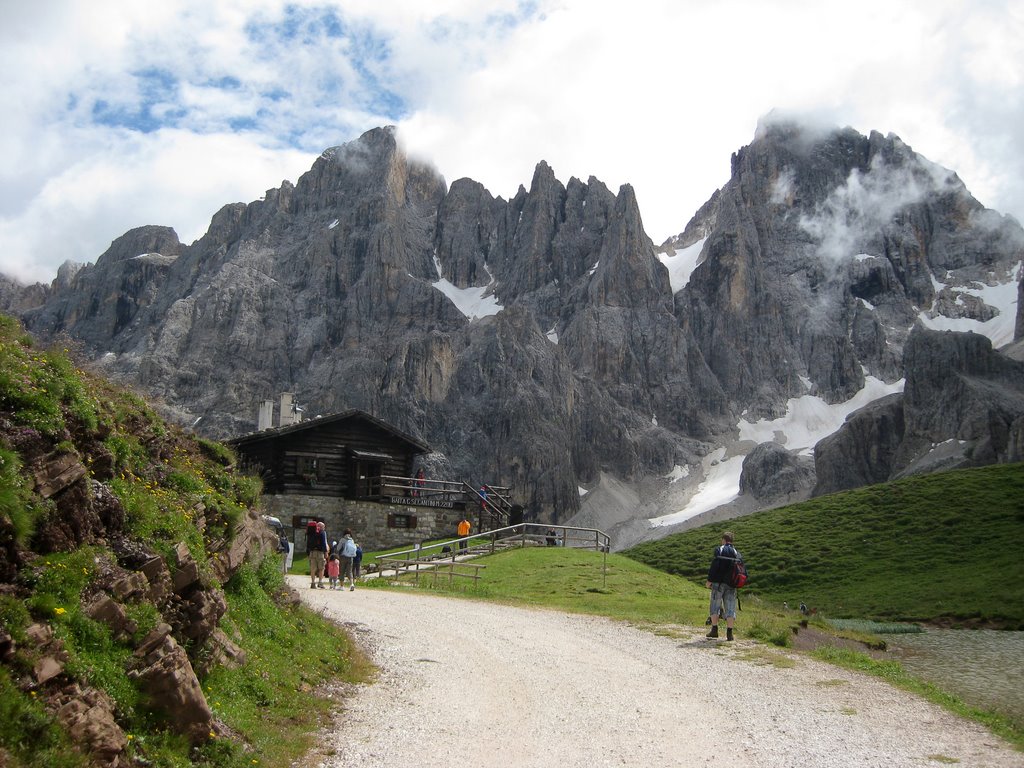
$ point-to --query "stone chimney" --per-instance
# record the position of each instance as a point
(289, 413)
(265, 419)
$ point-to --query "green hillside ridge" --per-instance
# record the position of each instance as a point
(92, 483)
(941, 548)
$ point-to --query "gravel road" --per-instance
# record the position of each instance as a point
(479, 684)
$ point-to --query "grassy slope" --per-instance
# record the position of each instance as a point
(160, 475)
(942, 547)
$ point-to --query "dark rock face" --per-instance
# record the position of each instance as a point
(16, 298)
(818, 256)
(772, 472)
(963, 406)
(862, 452)
(959, 388)
(96, 304)
(819, 251)
(1018, 333)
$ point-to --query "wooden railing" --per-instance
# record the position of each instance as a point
(495, 508)
(449, 557)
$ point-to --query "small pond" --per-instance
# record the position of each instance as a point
(983, 667)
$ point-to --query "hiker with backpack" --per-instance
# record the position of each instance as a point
(347, 554)
(316, 546)
(725, 575)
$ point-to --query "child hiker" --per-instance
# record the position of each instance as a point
(333, 570)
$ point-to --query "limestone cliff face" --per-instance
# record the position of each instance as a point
(821, 251)
(819, 255)
(963, 406)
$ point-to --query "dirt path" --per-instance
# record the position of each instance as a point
(479, 684)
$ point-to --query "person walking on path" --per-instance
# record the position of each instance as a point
(316, 546)
(464, 528)
(723, 594)
(348, 549)
(357, 562)
(333, 569)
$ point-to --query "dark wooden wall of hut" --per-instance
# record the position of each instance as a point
(329, 459)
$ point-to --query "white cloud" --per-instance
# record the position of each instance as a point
(198, 173)
(657, 94)
(865, 203)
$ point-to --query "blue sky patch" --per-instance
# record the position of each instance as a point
(156, 107)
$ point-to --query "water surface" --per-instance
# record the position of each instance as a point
(984, 667)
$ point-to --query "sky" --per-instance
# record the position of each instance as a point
(120, 113)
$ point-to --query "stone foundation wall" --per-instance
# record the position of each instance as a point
(368, 520)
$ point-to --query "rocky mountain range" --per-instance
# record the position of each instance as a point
(606, 377)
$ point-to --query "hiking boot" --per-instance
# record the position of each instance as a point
(728, 633)
(713, 632)
(312, 586)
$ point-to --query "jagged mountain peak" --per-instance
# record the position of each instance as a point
(539, 340)
(140, 242)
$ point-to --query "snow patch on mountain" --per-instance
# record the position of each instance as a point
(1002, 296)
(720, 486)
(473, 302)
(681, 263)
(807, 420)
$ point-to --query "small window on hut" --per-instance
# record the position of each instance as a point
(401, 521)
(308, 468)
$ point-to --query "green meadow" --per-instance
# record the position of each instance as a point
(942, 548)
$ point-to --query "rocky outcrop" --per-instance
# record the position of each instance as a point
(16, 299)
(162, 669)
(770, 472)
(863, 451)
(959, 388)
(88, 715)
(818, 254)
(962, 406)
(99, 302)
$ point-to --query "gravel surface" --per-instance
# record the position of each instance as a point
(474, 683)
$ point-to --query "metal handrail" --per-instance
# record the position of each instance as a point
(550, 535)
